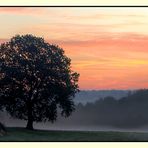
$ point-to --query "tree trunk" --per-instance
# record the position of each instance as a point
(29, 124)
(30, 117)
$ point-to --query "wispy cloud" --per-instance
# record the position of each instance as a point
(108, 46)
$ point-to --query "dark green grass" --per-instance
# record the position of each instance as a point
(22, 134)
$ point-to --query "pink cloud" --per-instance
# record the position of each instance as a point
(22, 11)
(110, 62)
(3, 40)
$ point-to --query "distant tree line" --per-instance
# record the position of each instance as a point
(129, 111)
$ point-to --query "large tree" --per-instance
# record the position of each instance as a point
(36, 80)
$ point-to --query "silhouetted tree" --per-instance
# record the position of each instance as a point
(36, 79)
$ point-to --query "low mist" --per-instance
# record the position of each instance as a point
(128, 113)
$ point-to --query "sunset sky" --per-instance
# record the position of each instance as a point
(107, 46)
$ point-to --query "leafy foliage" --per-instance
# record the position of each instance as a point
(36, 79)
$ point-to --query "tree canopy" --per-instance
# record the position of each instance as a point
(36, 79)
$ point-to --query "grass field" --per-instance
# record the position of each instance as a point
(21, 134)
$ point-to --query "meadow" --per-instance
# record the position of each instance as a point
(24, 135)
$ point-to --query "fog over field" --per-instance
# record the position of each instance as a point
(66, 124)
(84, 119)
